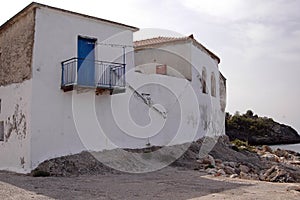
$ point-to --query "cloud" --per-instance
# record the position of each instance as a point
(237, 10)
(214, 7)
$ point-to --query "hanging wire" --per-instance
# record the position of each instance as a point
(113, 45)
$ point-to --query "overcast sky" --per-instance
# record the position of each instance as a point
(258, 42)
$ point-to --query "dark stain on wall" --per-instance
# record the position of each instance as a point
(22, 162)
(222, 84)
(16, 124)
(204, 117)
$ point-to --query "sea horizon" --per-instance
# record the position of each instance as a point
(292, 147)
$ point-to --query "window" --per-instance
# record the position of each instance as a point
(203, 81)
(161, 69)
(1, 131)
(213, 85)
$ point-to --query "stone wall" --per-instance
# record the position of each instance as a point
(16, 47)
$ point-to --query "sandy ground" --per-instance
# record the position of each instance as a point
(169, 183)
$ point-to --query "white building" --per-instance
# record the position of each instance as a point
(184, 58)
(68, 84)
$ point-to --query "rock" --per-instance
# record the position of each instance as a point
(244, 168)
(269, 172)
(229, 170)
(254, 177)
(266, 148)
(281, 153)
(218, 161)
(249, 176)
(220, 166)
(211, 171)
(230, 164)
(271, 157)
(245, 176)
(276, 174)
(209, 160)
(220, 172)
(282, 159)
(234, 176)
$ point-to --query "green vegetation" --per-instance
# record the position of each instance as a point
(257, 130)
(248, 122)
(242, 145)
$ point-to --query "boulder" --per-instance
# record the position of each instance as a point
(218, 161)
(276, 174)
(281, 153)
(266, 148)
(271, 157)
(230, 164)
(229, 170)
(209, 160)
(244, 169)
(245, 176)
(221, 172)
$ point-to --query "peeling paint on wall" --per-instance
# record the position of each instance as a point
(213, 122)
(22, 162)
(15, 148)
(16, 124)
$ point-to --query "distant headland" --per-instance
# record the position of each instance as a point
(257, 130)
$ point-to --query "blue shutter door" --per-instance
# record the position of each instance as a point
(86, 62)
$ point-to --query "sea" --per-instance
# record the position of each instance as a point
(292, 147)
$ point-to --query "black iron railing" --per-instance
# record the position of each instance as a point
(102, 74)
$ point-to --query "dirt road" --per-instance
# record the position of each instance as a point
(169, 183)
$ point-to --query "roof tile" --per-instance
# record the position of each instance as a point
(140, 44)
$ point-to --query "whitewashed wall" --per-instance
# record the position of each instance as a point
(53, 131)
(211, 119)
(67, 123)
(211, 116)
(15, 112)
(175, 56)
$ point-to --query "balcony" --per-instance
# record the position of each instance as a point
(98, 75)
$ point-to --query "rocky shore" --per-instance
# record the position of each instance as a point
(245, 162)
(264, 164)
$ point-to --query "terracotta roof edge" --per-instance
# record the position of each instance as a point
(179, 39)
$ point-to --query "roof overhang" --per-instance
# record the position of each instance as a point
(35, 5)
(160, 41)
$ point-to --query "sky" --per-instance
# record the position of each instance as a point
(258, 43)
